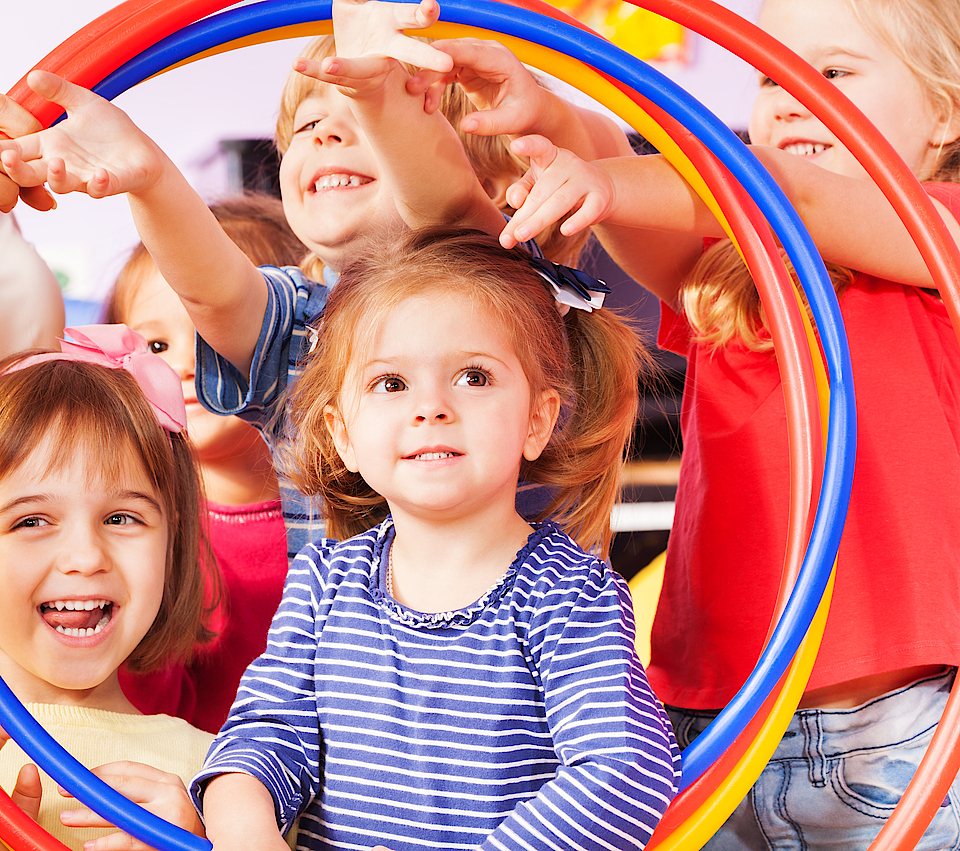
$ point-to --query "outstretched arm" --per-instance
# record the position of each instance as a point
(100, 151)
(419, 153)
(653, 223)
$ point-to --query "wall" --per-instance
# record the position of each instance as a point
(190, 110)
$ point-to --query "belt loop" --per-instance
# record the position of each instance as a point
(813, 747)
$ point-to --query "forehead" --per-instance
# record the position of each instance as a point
(424, 325)
(79, 455)
(818, 27)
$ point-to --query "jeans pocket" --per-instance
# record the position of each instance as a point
(872, 783)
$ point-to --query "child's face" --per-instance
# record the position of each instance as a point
(156, 312)
(82, 565)
(827, 34)
(330, 181)
(437, 417)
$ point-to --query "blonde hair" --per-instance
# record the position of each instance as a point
(254, 221)
(489, 156)
(592, 360)
(100, 411)
(719, 296)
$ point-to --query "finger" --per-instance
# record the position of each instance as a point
(15, 120)
(39, 198)
(24, 173)
(494, 122)
(9, 194)
(116, 842)
(419, 54)
(27, 791)
(55, 88)
(433, 97)
(537, 149)
(353, 72)
(426, 79)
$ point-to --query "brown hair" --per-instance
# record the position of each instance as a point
(719, 296)
(591, 359)
(254, 221)
(489, 156)
(101, 410)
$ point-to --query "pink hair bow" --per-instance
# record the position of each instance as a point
(119, 347)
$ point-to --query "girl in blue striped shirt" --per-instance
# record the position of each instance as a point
(453, 677)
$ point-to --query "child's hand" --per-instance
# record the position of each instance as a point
(369, 36)
(26, 791)
(16, 121)
(159, 793)
(558, 183)
(97, 150)
(497, 83)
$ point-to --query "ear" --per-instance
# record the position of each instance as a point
(496, 188)
(947, 131)
(543, 417)
(341, 439)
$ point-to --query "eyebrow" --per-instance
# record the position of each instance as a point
(390, 362)
(44, 497)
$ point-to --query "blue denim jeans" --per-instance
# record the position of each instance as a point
(838, 774)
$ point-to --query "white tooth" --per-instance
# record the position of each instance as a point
(69, 605)
(59, 604)
(354, 180)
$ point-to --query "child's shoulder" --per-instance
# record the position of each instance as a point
(553, 560)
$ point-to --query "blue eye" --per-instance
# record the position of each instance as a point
(389, 384)
(473, 378)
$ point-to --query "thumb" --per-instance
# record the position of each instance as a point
(27, 791)
(55, 88)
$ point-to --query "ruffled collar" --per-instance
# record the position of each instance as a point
(442, 620)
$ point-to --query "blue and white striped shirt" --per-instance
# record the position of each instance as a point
(524, 721)
(292, 301)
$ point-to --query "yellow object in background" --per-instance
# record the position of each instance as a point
(643, 33)
(645, 590)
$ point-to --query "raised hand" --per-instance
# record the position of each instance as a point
(97, 149)
(16, 121)
(156, 791)
(506, 94)
(370, 40)
(558, 183)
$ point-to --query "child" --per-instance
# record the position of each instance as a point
(243, 519)
(360, 157)
(452, 677)
(99, 540)
(882, 674)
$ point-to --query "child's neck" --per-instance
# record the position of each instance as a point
(232, 482)
(108, 696)
(439, 567)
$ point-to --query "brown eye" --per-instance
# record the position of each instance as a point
(157, 346)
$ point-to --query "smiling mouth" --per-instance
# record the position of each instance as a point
(340, 181)
(433, 456)
(805, 149)
(77, 618)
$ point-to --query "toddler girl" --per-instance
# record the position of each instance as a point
(452, 677)
(882, 674)
(243, 518)
(99, 540)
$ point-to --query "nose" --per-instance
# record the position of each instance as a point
(432, 406)
(184, 364)
(786, 107)
(336, 127)
(84, 552)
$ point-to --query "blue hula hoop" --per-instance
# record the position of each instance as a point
(841, 440)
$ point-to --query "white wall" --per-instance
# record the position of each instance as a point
(190, 110)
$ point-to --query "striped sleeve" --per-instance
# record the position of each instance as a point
(272, 732)
(292, 300)
(619, 761)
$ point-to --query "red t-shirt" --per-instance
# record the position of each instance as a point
(896, 603)
(249, 543)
